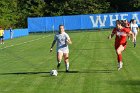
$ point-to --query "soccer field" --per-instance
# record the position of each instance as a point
(25, 64)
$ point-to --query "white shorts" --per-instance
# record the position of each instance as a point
(135, 32)
(63, 50)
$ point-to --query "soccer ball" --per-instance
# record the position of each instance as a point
(53, 73)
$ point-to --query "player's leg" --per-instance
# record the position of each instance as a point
(59, 58)
(128, 36)
(119, 55)
(10, 35)
(66, 60)
(2, 39)
(135, 38)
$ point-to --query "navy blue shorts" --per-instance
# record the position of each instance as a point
(1, 36)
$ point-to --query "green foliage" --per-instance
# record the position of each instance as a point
(15, 12)
(72, 7)
(136, 5)
(124, 5)
(29, 8)
(8, 13)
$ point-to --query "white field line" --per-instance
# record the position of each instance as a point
(25, 42)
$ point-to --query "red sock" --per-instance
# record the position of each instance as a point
(119, 57)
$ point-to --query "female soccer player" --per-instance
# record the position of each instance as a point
(120, 41)
(11, 33)
(62, 39)
(127, 23)
(1, 36)
(134, 29)
(128, 26)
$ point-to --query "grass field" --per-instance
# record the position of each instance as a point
(25, 64)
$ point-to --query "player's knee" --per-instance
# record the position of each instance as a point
(59, 59)
(118, 51)
(66, 58)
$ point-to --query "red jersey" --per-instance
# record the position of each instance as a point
(121, 36)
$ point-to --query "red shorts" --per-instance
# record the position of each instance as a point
(118, 44)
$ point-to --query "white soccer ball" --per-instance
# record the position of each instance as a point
(53, 73)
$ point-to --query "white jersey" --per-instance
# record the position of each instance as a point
(62, 42)
(134, 28)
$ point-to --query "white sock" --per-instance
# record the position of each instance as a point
(121, 64)
(67, 66)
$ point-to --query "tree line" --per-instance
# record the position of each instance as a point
(14, 13)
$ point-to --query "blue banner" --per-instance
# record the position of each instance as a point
(77, 22)
(16, 33)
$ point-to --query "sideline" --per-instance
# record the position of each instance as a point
(25, 42)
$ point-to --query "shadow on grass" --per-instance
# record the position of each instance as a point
(88, 49)
(97, 71)
(70, 72)
(23, 73)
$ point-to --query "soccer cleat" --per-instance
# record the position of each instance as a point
(58, 65)
(67, 70)
(134, 44)
(120, 65)
(119, 69)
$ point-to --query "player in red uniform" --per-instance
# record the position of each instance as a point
(127, 23)
(128, 26)
(121, 32)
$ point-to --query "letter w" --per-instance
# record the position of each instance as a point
(98, 20)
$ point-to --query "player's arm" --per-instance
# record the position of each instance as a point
(138, 29)
(112, 34)
(3, 32)
(69, 41)
(53, 43)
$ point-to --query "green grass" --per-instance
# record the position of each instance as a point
(25, 67)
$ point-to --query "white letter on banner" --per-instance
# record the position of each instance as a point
(98, 19)
(102, 23)
(135, 16)
(93, 22)
(111, 19)
(122, 16)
